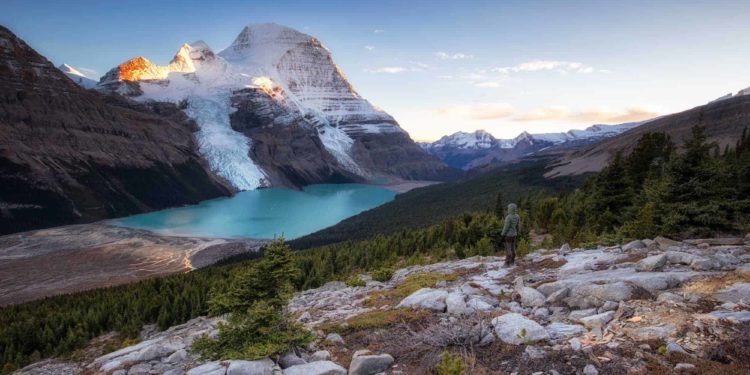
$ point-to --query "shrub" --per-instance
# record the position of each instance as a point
(355, 281)
(450, 364)
(382, 274)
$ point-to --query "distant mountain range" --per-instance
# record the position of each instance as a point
(471, 150)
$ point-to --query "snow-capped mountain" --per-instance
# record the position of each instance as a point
(273, 106)
(470, 150)
(77, 76)
(729, 95)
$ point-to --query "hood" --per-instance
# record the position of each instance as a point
(512, 209)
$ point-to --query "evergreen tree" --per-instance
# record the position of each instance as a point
(499, 205)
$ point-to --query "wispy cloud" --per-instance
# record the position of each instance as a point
(387, 70)
(91, 73)
(453, 56)
(478, 111)
(369, 48)
(487, 84)
(546, 65)
(378, 31)
(496, 111)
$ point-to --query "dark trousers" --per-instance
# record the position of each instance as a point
(510, 250)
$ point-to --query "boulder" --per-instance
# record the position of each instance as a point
(726, 241)
(669, 297)
(140, 369)
(455, 304)
(426, 298)
(652, 263)
(320, 355)
(598, 320)
(609, 306)
(335, 338)
(290, 359)
(633, 245)
(174, 371)
(577, 315)
(650, 332)
(531, 297)
(673, 347)
(664, 243)
(480, 303)
(737, 293)
(316, 368)
(177, 356)
(210, 368)
(515, 329)
(594, 295)
(259, 367)
(562, 331)
(575, 344)
(558, 296)
(564, 250)
(590, 370)
(732, 316)
(685, 368)
(679, 257)
(704, 264)
(364, 363)
(534, 352)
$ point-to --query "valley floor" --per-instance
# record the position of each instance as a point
(74, 258)
(647, 307)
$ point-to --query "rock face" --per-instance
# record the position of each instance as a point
(277, 95)
(70, 155)
(516, 329)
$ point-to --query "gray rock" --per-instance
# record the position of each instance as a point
(575, 344)
(531, 297)
(290, 359)
(577, 315)
(174, 371)
(590, 370)
(664, 243)
(737, 293)
(732, 316)
(558, 296)
(534, 352)
(455, 304)
(684, 368)
(335, 338)
(598, 320)
(260, 367)
(679, 257)
(726, 241)
(673, 347)
(650, 332)
(564, 249)
(426, 298)
(562, 331)
(541, 312)
(320, 355)
(120, 372)
(177, 356)
(633, 245)
(669, 297)
(140, 369)
(470, 288)
(704, 264)
(515, 329)
(316, 368)
(609, 306)
(594, 295)
(364, 363)
(210, 368)
(652, 263)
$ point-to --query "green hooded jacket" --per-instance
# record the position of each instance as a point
(512, 222)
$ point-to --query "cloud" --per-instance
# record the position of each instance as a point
(587, 116)
(487, 84)
(562, 67)
(378, 31)
(453, 56)
(387, 70)
(88, 72)
(480, 111)
(445, 76)
(496, 111)
(418, 66)
(369, 48)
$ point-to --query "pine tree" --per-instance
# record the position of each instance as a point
(499, 205)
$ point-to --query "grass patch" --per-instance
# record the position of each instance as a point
(375, 319)
(711, 284)
(412, 284)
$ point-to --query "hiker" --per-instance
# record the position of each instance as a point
(511, 229)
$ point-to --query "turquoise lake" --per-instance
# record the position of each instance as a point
(264, 213)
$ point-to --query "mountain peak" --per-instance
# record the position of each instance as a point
(65, 68)
(264, 42)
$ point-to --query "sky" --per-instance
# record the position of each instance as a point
(444, 66)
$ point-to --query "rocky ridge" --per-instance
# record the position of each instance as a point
(635, 308)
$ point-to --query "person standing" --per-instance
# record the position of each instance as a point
(511, 229)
